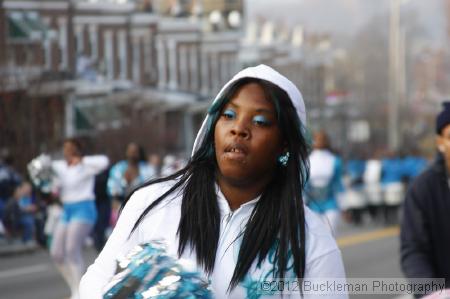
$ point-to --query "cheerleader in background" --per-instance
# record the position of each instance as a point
(325, 181)
(126, 175)
(75, 176)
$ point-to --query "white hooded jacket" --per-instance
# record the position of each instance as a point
(323, 257)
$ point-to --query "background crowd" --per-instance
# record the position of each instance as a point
(363, 189)
(29, 216)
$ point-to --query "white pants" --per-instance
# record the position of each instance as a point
(66, 251)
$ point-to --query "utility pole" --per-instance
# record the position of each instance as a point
(397, 84)
(394, 67)
(3, 35)
(71, 47)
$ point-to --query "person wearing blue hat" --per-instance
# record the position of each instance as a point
(425, 228)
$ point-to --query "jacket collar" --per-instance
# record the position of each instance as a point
(225, 207)
(439, 167)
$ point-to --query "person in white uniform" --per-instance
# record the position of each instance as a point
(325, 181)
(75, 177)
(236, 210)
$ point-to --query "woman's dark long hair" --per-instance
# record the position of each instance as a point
(278, 219)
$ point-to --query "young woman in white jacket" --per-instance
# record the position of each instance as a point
(236, 210)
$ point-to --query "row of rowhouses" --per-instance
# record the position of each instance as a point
(81, 67)
(117, 71)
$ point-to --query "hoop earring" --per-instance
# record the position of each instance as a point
(283, 159)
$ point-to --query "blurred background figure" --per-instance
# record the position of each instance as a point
(155, 161)
(75, 175)
(352, 200)
(372, 187)
(393, 185)
(9, 180)
(126, 175)
(53, 214)
(325, 181)
(169, 165)
(85, 67)
(19, 215)
(103, 205)
(27, 208)
(413, 165)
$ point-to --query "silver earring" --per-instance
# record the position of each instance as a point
(283, 159)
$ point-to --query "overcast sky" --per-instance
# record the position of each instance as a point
(344, 16)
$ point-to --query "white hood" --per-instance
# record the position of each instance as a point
(263, 72)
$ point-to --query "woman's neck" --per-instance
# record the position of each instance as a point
(72, 161)
(239, 194)
(132, 163)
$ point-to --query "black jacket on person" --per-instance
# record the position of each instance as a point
(425, 229)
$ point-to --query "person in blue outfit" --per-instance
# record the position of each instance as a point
(393, 186)
(127, 174)
(27, 208)
(413, 165)
(19, 214)
(325, 181)
(9, 180)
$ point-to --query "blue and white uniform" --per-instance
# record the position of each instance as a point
(325, 182)
(118, 185)
(76, 187)
(323, 257)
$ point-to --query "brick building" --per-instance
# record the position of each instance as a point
(112, 67)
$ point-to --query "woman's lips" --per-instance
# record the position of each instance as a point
(236, 152)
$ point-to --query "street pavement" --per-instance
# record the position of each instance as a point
(371, 252)
(368, 251)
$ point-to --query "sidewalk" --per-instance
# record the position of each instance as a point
(8, 248)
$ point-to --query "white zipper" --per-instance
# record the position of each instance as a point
(228, 218)
(224, 232)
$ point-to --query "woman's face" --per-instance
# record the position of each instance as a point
(70, 151)
(247, 137)
(320, 140)
(132, 152)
